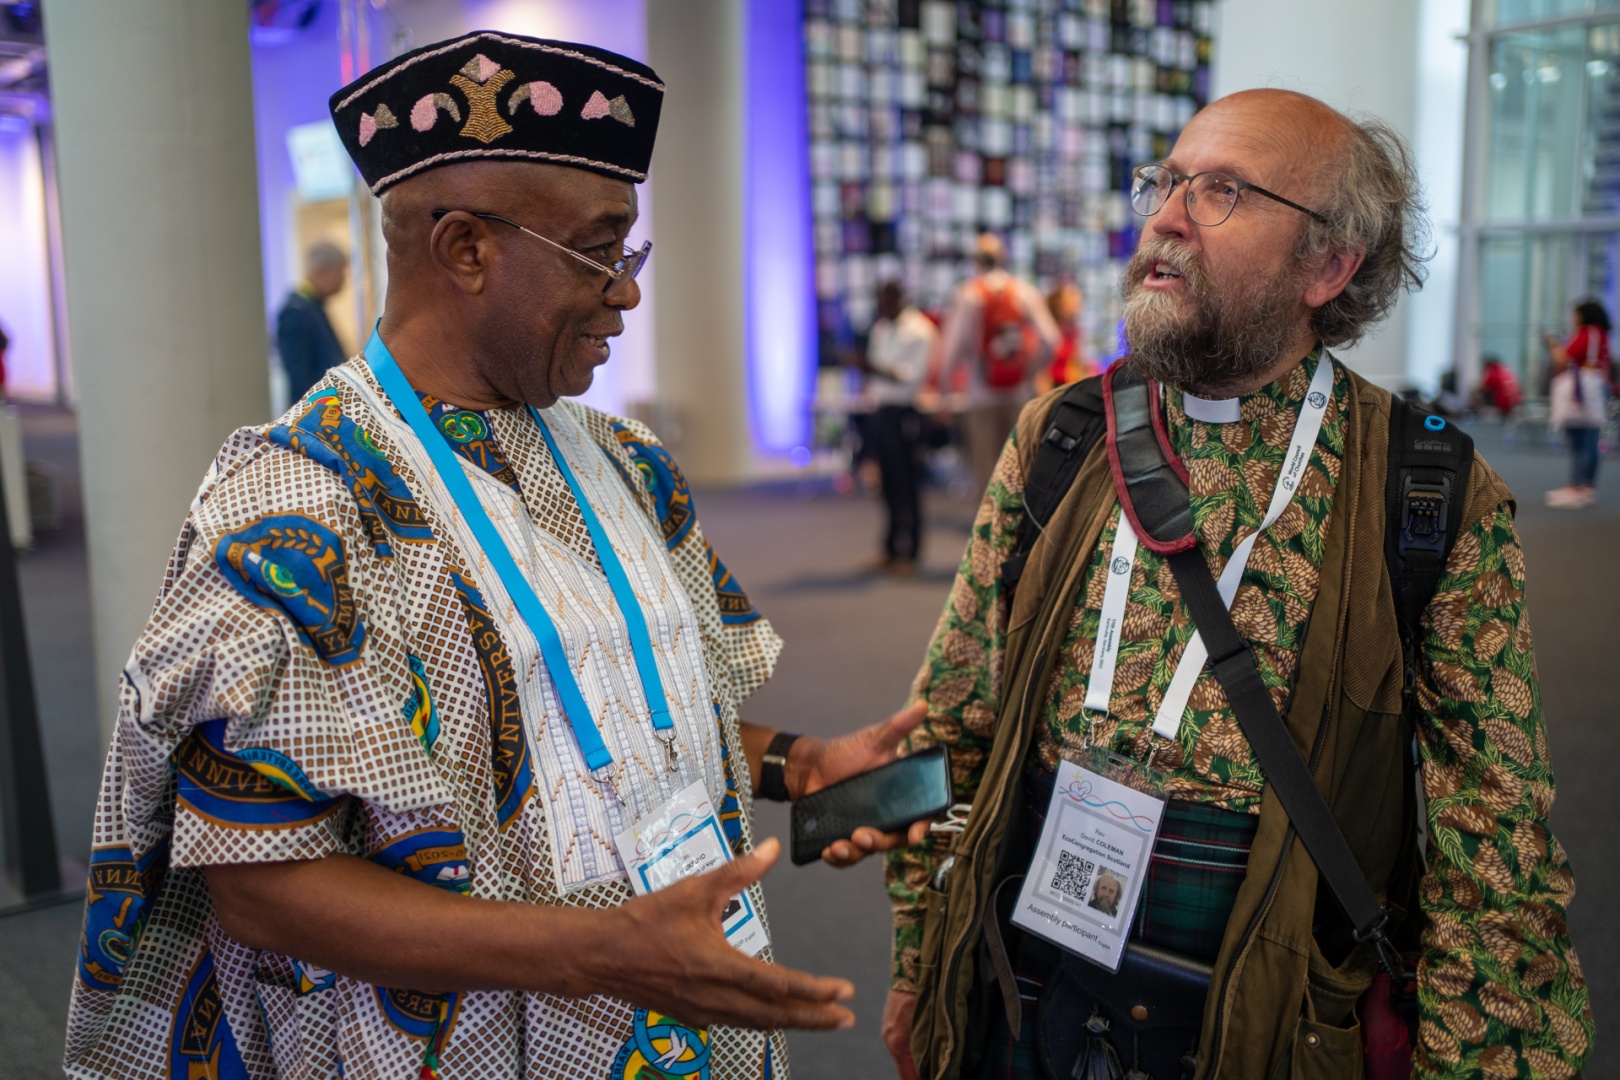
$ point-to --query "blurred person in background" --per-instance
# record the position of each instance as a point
(304, 335)
(1498, 389)
(896, 364)
(5, 343)
(998, 334)
(1579, 400)
(1069, 360)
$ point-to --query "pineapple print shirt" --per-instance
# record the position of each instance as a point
(1500, 988)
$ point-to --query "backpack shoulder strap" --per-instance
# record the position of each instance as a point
(1073, 427)
(1430, 460)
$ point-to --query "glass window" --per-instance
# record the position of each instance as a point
(1530, 283)
(1600, 152)
(1536, 84)
(1509, 12)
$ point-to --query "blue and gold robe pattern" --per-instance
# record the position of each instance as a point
(321, 675)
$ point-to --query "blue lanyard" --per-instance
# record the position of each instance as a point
(518, 586)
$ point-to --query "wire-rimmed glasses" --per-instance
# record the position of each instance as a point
(1211, 196)
(627, 265)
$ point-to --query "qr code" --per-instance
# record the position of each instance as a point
(1073, 875)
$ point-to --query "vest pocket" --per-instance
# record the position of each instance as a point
(1327, 1041)
(1325, 1052)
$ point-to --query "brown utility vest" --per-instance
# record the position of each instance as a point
(1277, 1007)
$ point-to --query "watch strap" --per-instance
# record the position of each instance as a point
(773, 769)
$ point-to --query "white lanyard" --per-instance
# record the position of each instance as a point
(1122, 557)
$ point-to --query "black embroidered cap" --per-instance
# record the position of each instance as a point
(489, 95)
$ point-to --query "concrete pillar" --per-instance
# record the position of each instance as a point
(160, 216)
(696, 48)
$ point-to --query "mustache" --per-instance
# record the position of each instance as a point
(1159, 249)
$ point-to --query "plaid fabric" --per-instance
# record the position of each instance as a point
(1193, 879)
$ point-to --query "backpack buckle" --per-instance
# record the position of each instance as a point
(1424, 510)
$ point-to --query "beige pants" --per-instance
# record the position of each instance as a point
(985, 429)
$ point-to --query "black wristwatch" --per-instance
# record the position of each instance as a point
(773, 770)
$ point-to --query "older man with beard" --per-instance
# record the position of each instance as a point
(1276, 229)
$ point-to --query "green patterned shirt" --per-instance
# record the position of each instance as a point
(1500, 988)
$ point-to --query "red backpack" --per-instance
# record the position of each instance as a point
(1009, 341)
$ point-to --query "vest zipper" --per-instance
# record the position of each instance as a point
(1229, 986)
(953, 963)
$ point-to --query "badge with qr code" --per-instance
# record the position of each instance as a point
(1092, 858)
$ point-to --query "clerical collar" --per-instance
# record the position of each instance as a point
(1222, 411)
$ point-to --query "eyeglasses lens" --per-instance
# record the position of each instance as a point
(1210, 196)
(631, 262)
(1149, 190)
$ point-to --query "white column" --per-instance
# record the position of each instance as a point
(154, 145)
(696, 48)
(1360, 58)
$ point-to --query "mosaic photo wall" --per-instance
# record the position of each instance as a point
(933, 120)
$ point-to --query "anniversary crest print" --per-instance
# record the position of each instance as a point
(322, 674)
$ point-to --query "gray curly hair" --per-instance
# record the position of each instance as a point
(1374, 206)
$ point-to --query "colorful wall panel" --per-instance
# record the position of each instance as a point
(933, 120)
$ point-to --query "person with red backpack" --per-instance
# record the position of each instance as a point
(998, 334)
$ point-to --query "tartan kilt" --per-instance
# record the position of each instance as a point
(1193, 878)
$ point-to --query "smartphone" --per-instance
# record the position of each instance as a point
(887, 798)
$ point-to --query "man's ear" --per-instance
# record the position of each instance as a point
(461, 249)
(1332, 275)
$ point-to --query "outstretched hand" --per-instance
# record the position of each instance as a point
(668, 952)
(829, 761)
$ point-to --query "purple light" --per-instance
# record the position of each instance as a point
(778, 267)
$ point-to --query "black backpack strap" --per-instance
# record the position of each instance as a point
(1074, 426)
(1430, 460)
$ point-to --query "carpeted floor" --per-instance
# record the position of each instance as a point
(853, 645)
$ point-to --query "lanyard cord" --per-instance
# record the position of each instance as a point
(623, 592)
(1122, 557)
(598, 757)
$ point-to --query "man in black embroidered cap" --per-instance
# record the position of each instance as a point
(443, 683)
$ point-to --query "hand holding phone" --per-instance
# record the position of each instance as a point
(887, 798)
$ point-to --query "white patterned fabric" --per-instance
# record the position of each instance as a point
(332, 668)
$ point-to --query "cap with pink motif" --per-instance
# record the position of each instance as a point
(502, 96)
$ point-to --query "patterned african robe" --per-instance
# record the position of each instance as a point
(1500, 988)
(323, 674)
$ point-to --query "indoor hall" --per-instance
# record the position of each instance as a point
(779, 202)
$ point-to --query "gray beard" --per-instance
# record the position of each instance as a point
(1227, 340)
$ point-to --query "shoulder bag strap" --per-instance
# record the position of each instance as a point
(1156, 494)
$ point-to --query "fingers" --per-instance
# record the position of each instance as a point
(743, 871)
(869, 841)
(892, 731)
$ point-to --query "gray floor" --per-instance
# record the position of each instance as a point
(853, 646)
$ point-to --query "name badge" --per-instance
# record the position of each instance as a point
(1092, 858)
(678, 840)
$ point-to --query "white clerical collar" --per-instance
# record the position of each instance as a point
(1223, 411)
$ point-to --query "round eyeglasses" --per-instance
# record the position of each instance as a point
(1211, 196)
(627, 265)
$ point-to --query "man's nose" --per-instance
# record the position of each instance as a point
(623, 294)
(1172, 218)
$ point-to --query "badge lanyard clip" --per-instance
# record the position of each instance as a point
(598, 758)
